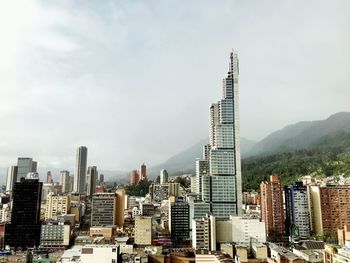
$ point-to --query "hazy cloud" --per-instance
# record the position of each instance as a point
(132, 80)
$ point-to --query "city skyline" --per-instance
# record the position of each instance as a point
(50, 61)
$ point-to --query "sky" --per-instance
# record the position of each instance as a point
(133, 80)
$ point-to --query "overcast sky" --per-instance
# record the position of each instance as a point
(132, 80)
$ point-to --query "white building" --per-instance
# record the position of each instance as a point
(246, 230)
(91, 254)
(204, 233)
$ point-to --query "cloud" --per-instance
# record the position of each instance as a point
(133, 80)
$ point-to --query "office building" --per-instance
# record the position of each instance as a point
(204, 233)
(25, 166)
(11, 178)
(49, 178)
(143, 230)
(80, 170)
(272, 211)
(179, 221)
(104, 209)
(91, 180)
(248, 230)
(173, 189)
(56, 205)
(65, 181)
(120, 207)
(159, 192)
(55, 234)
(164, 177)
(134, 177)
(297, 211)
(219, 173)
(24, 230)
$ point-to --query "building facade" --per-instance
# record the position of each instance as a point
(80, 170)
(24, 230)
(179, 221)
(57, 205)
(297, 211)
(222, 185)
(104, 209)
(91, 180)
(143, 230)
(11, 178)
(272, 211)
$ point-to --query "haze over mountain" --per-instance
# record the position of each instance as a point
(301, 135)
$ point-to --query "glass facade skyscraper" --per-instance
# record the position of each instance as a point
(221, 185)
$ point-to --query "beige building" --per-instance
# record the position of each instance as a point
(57, 205)
(107, 232)
(143, 230)
(120, 207)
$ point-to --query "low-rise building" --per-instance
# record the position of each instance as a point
(55, 234)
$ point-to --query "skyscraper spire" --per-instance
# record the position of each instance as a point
(221, 186)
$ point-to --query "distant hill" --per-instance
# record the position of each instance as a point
(184, 162)
(318, 148)
(302, 135)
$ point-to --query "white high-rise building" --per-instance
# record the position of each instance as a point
(163, 176)
(11, 178)
(80, 170)
(221, 185)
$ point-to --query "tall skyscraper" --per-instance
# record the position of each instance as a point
(143, 174)
(25, 165)
(219, 173)
(24, 230)
(80, 170)
(65, 181)
(91, 180)
(272, 211)
(11, 178)
(298, 222)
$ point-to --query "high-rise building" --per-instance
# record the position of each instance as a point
(102, 178)
(204, 233)
(297, 211)
(134, 177)
(143, 174)
(65, 181)
(80, 170)
(164, 176)
(335, 207)
(11, 178)
(49, 178)
(219, 179)
(120, 206)
(104, 209)
(179, 221)
(25, 165)
(91, 180)
(57, 205)
(272, 211)
(24, 230)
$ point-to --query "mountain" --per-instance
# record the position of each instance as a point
(184, 162)
(302, 135)
(318, 148)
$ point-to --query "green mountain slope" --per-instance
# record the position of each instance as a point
(326, 156)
